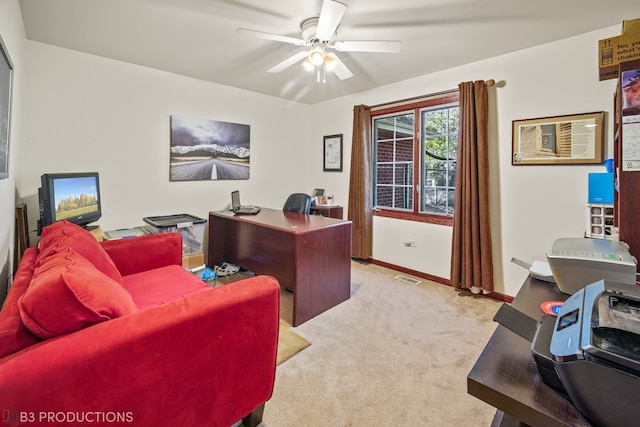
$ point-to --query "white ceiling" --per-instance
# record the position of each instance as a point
(197, 38)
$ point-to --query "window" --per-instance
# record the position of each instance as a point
(415, 148)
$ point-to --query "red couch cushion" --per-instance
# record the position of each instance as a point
(67, 293)
(61, 235)
(144, 253)
(13, 334)
(162, 285)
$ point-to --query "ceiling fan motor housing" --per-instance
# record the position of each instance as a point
(309, 28)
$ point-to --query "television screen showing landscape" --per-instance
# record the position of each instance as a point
(75, 196)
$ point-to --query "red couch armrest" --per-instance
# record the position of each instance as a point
(205, 360)
(137, 254)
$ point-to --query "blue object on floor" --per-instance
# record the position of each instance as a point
(208, 274)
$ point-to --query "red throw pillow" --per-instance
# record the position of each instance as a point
(67, 293)
(61, 235)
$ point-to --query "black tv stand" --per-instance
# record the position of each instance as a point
(90, 227)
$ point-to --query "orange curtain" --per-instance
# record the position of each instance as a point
(471, 259)
(360, 207)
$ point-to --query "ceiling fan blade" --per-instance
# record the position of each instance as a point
(269, 36)
(381, 46)
(288, 62)
(330, 17)
(340, 69)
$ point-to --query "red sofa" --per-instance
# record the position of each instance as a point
(118, 333)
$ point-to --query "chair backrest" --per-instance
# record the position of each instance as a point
(298, 202)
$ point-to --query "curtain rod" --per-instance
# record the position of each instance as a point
(489, 82)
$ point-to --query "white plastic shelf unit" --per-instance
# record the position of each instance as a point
(599, 220)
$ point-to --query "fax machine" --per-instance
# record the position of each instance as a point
(577, 262)
(591, 352)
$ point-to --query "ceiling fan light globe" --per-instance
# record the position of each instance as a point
(307, 65)
(316, 56)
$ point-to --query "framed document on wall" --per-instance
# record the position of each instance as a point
(560, 140)
(332, 153)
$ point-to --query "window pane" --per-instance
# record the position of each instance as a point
(440, 145)
(393, 146)
(384, 169)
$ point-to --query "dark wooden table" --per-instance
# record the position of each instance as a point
(505, 375)
(308, 254)
(330, 211)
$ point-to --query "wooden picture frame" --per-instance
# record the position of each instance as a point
(560, 140)
(6, 80)
(332, 158)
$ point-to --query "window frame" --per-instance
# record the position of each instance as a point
(416, 108)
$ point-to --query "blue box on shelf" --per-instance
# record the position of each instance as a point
(600, 187)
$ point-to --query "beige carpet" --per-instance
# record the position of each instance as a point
(289, 343)
(394, 354)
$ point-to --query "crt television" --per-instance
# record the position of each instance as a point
(74, 197)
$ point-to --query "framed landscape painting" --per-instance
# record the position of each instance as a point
(209, 150)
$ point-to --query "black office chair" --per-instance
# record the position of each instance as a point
(298, 202)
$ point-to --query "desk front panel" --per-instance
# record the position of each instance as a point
(323, 276)
(260, 249)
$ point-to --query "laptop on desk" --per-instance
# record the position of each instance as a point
(238, 209)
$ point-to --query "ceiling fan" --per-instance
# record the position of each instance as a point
(319, 33)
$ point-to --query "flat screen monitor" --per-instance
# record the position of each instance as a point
(74, 197)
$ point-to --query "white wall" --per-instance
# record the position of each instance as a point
(531, 205)
(89, 113)
(13, 36)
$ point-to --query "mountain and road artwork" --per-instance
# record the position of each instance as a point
(208, 150)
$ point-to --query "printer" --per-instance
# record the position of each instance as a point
(591, 352)
(577, 262)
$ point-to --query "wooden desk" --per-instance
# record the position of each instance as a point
(308, 254)
(505, 375)
(330, 211)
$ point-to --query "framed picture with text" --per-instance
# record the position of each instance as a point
(332, 153)
(561, 140)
